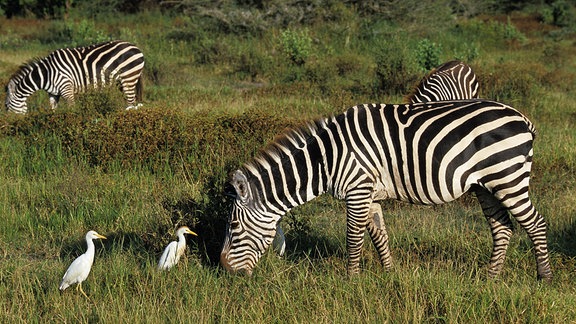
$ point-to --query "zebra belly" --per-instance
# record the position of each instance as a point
(414, 198)
(381, 192)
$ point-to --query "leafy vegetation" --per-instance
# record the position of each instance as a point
(222, 79)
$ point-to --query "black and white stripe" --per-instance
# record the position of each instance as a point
(452, 80)
(68, 71)
(426, 153)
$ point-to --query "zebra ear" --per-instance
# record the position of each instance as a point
(241, 185)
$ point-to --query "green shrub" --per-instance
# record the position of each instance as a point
(559, 13)
(346, 72)
(468, 54)
(428, 54)
(100, 102)
(511, 33)
(152, 139)
(395, 72)
(85, 32)
(510, 81)
(489, 34)
(251, 62)
(297, 46)
(72, 33)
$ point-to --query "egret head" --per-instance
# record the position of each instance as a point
(91, 235)
(185, 230)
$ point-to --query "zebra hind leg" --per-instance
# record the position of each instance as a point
(522, 209)
(377, 231)
(500, 226)
(531, 220)
(129, 89)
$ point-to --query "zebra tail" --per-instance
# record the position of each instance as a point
(531, 127)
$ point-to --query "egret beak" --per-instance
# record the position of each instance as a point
(190, 232)
(101, 236)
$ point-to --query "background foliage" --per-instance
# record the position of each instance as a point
(222, 78)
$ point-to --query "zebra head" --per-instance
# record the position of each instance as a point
(250, 229)
(15, 101)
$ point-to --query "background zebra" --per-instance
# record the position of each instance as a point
(453, 80)
(426, 153)
(67, 71)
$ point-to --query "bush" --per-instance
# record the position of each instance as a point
(510, 81)
(468, 54)
(152, 139)
(252, 62)
(428, 54)
(296, 45)
(558, 13)
(489, 34)
(85, 33)
(395, 72)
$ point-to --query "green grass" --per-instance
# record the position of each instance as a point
(213, 100)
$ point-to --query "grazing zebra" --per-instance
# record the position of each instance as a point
(452, 80)
(67, 71)
(425, 153)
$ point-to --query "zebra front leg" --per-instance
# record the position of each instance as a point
(500, 226)
(378, 235)
(67, 92)
(357, 208)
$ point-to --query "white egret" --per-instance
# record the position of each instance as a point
(80, 268)
(279, 243)
(174, 250)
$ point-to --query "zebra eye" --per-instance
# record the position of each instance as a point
(234, 224)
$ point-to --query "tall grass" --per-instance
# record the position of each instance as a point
(213, 99)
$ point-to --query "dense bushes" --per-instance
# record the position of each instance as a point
(149, 138)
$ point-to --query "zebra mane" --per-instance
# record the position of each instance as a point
(25, 68)
(446, 66)
(293, 139)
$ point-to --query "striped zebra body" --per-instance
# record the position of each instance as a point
(426, 153)
(68, 71)
(453, 80)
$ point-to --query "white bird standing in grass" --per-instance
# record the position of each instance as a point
(80, 268)
(174, 250)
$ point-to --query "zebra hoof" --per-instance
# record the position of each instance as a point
(545, 279)
(134, 107)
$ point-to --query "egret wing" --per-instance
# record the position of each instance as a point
(168, 258)
(77, 271)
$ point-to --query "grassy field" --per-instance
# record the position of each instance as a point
(212, 99)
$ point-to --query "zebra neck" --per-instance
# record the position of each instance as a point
(291, 171)
(37, 79)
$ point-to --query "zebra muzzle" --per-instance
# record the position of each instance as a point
(224, 261)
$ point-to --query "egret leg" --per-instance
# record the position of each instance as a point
(79, 287)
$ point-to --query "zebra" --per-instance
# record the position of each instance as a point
(453, 80)
(423, 153)
(68, 71)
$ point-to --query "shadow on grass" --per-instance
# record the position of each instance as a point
(563, 240)
(135, 243)
(210, 216)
